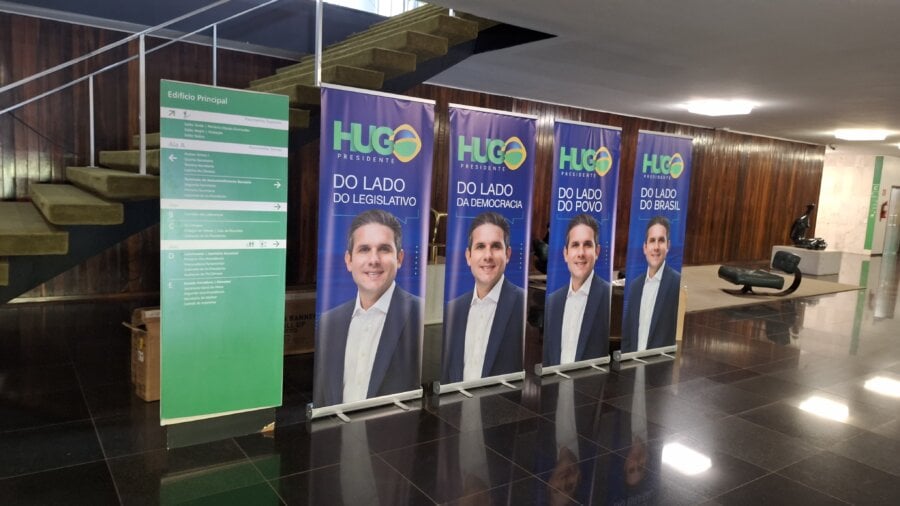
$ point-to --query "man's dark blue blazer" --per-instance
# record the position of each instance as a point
(396, 367)
(664, 321)
(504, 349)
(593, 338)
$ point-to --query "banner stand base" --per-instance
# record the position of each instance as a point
(559, 370)
(341, 410)
(663, 351)
(461, 386)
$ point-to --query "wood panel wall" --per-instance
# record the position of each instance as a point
(745, 190)
(40, 140)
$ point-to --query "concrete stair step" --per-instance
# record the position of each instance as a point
(388, 27)
(423, 45)
(409, 16)
(347, 76)
(152, 141)
(455, 30)
(4, 272)
(129, 160)
(114, 184)
(63, 204)
(392, 63)
(24, 231)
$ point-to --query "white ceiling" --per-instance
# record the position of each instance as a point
(813, 66)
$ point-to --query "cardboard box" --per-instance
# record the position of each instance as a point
(299, 337)
(145, 352)
(299, 321)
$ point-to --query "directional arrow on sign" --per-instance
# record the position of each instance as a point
(277, 243)
(277, 184)
(172, 158)
(277, 206)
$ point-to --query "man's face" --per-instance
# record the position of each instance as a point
(656, 246)
(487, 256)
(581, 253)
(373, 261)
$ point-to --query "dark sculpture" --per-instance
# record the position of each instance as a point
(798, 232)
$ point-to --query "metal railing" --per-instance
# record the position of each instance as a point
(141, 57)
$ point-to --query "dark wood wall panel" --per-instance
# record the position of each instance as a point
(40, 140)
(745, 190)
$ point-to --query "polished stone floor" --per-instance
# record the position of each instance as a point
(787, 402)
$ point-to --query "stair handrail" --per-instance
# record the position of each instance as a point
(109, 47)
(140, 36)
(142, 52)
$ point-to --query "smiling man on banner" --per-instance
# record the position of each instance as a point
(485, 326)
(369, 346)
(652, 299)
(577, 315)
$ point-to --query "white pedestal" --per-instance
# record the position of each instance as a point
(813, 262)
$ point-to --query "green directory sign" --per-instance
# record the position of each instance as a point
(223, 223)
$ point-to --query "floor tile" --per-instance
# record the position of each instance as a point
(668, 410)
(525, 492)
(361, 481)
(750, 442)
(715, 472)
(793, 421)
(612, 428)
(183, 474)
(260, 494)
(81, 484)
(454, 467)
(772, 388)
(774, 490)
(871, 449)
(538, 445)
(36, 409)
(845, 479)
(293, 448)
(45, 448)
(125, 434)
(480, 412)
(616, 479)
(717, 396)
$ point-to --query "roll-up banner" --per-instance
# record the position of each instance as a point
(374, 197)
(662, 177)
(223, 223)
(488, 236)
(580, 253)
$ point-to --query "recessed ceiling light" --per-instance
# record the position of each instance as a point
(861, 134)
(719, 107)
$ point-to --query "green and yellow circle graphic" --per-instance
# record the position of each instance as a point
(676, 166)
(514, 154)
(603, 161)
(407, 143)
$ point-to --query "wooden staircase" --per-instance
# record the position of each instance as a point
(101, 196)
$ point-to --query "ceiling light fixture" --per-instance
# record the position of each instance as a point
(719, 107)
(860, 134)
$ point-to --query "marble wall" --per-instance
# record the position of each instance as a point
(844, 201)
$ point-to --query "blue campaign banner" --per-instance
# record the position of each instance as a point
(582, 231)
(374, 194)
(662, 179)
(490, 201)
